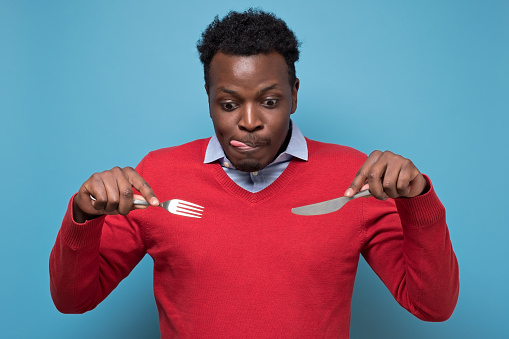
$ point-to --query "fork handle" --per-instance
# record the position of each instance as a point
(135, 201)
(140, 202)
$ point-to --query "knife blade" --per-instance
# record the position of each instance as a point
(328, 206)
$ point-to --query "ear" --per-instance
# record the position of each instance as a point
(208, 97)
(295, 89)
(206, 90)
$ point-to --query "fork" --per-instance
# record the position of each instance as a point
(177, 206)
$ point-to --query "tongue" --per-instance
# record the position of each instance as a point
(236, 143)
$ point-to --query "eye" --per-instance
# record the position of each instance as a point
(228, 106)
(270, 103)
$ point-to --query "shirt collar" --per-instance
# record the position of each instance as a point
(297, 147)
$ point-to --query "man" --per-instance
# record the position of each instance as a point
(249, 267)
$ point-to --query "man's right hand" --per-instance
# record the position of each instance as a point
(112, 193)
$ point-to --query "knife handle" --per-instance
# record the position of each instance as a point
(361, 194)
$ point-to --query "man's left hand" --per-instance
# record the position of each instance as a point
(388, 175)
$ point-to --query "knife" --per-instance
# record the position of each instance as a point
(328, 206)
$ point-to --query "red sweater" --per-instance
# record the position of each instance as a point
(249, 268)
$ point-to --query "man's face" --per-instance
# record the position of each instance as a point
(250, 102)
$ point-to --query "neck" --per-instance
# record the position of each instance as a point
(285, 143)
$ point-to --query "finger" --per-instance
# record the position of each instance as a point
(408, 173)
(391, 175)
(111, 181)
(142, 186)
(95, 187)
(84, 201)
(375, 179)
(417, 186)
(125, 190)
(362, 175)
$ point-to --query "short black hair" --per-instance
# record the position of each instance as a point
(248, 33)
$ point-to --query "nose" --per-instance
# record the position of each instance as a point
(250, 119)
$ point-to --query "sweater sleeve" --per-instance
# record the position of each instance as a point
(89, 260)
(408, 246)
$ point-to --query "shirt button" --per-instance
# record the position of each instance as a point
(226, 164)
(255, 173)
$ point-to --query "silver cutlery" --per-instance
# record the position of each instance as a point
(328, 206)
(177, 206)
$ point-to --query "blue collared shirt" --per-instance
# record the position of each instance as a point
(256, 181)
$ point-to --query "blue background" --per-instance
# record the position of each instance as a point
(88, 85)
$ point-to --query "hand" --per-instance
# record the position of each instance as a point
(112, 193)
(388, 175)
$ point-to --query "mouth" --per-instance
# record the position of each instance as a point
(243, 147)
(247, 146)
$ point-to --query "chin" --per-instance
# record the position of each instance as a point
(249, 165)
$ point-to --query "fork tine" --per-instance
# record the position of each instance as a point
(186, 214)
(188, 203)
(185, 210)
(189, 207)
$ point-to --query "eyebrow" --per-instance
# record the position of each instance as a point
(268, 88)
(232, 92)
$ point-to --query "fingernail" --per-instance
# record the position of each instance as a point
(155, 201)
(349, 192)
